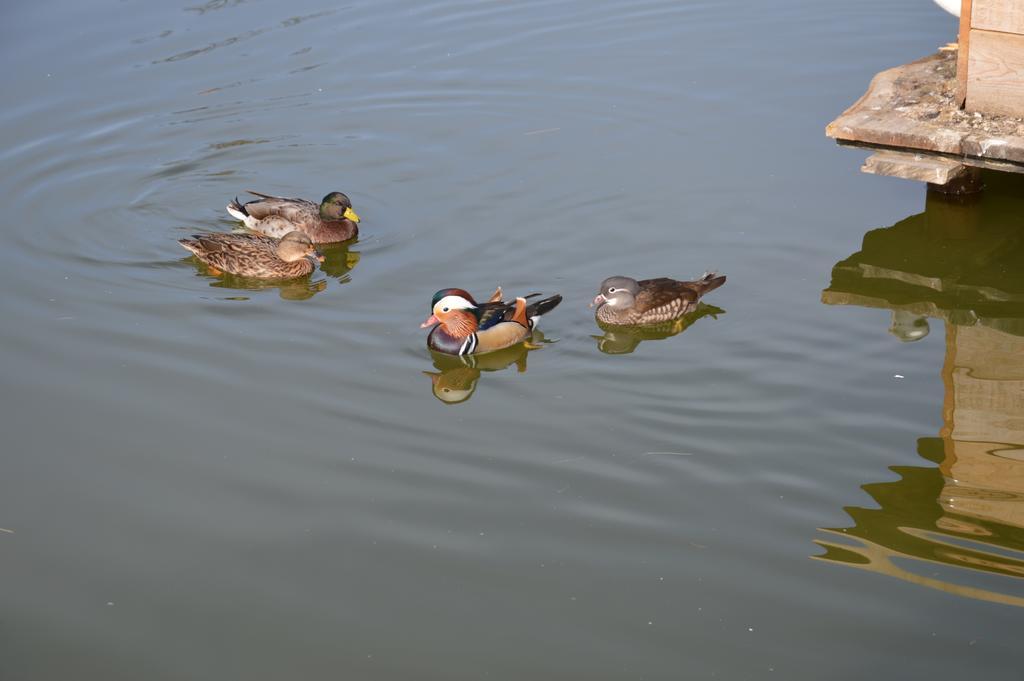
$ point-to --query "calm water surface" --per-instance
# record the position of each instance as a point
(204, 479)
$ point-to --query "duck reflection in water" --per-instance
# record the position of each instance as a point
(908, 326)
(622, 340)
(456, 377)
(959, 263)
(338, 261)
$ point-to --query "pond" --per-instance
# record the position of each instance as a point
(818, 475)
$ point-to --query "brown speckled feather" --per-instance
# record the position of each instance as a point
(246, 255)
(663, 301)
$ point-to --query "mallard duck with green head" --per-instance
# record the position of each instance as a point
(330, 222)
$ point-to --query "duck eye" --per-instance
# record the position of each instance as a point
(444, 309)
(612, 289)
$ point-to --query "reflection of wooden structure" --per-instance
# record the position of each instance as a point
(983, 428)
(960, 262)
(963, 264)
(914, 117)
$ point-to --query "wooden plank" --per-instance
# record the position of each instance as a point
(881, 115)
(921, 167)
(964, 41)
(998, 15)
(995, 75)
(911, 108)
(970, 161)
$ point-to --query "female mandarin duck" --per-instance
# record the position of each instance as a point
(628, 302)
(255, 255)
(462, 326)
(332, 221)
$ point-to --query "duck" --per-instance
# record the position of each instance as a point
(255, 255)
(623, 301)
(331, 222)
(461, 326)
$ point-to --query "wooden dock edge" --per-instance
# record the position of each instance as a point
(911, 113)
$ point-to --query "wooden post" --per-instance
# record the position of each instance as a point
(964, 184)
(964, 40)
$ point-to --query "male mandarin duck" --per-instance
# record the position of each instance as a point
(628, 302)
(462, 326)
(330, 222)
(255, 255)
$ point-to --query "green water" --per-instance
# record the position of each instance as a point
(207, 478)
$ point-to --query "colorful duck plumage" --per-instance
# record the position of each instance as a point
(462, 326)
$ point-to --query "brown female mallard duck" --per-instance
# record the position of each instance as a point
(330, 222)
(256, 255)
(462, 326)
(628, 302)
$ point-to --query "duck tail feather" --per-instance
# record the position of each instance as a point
(542, 307)
(237, 210)
(710, 281)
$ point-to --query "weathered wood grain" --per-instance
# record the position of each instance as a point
(995, 75)
(964, 41)
(910, 166)
(912, 108)
(997, 15)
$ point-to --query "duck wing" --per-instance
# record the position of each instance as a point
(709, 282)
(489, 314)
(236, 244)
(664, 301)
(660, 282)
(296, 211)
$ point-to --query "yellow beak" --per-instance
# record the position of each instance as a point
(351, 215)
